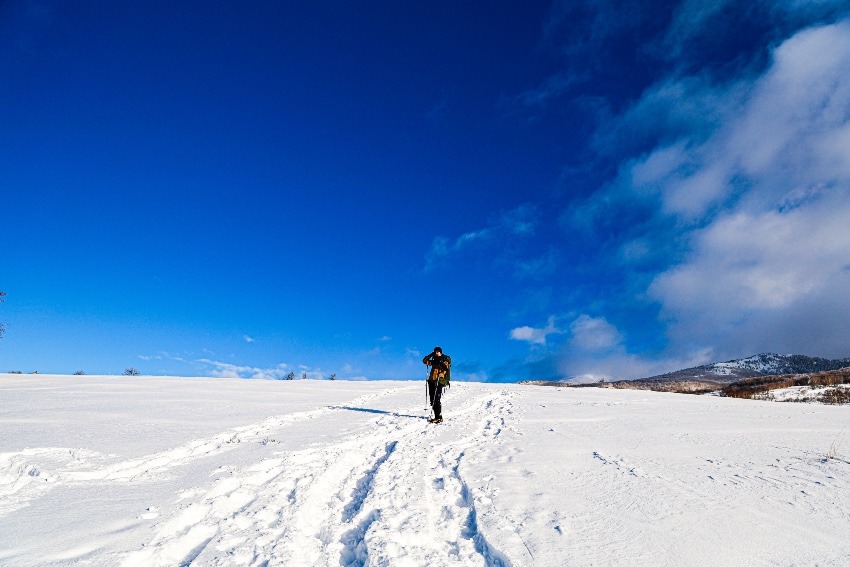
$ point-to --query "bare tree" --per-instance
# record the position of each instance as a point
(290, 376)
(332, 377)
(132, 372)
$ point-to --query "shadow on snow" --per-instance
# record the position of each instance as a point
(382, 412)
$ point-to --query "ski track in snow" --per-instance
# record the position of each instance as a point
(391, 494)
(394, 494)
(28, 474)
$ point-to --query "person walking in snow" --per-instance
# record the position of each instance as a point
(438, 378)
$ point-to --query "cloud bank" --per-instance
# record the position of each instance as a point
(764, 201)
(743, 192)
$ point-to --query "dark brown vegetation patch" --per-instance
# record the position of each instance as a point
(753, 387)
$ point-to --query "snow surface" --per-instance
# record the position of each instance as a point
(170, 471)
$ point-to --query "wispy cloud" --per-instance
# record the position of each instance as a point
(413, 353)
(538, 267)
(228, 370)
(530, 103)
(161, 356)
(582, 28)
(248, 339)
(581, 34)
(517, 223)
(695, 21)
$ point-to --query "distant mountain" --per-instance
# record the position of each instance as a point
(760, 365)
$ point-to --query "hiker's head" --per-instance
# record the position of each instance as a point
(438, 351)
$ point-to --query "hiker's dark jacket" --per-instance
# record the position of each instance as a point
(441, 367)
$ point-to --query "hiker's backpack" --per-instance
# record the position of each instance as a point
(444, 377)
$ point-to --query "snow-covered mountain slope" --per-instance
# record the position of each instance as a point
(159, 471)
(760, 365)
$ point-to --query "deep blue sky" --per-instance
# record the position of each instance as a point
(545, 189)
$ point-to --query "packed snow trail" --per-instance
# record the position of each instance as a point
(391, 493)
(24, 474)
(153, 471)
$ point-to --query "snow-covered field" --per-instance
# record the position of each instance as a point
(170, 471)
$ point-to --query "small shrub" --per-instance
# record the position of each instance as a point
(759, 385)
(836, 396)
(290, 376)
(79, 373)
(132, 372)
(332, 377)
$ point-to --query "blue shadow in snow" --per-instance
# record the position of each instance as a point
(378, 411)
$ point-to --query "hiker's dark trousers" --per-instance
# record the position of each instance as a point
(435, 390)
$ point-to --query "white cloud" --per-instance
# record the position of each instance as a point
(533, 335)
(745, 267)
(248, 339)
(768, 199)
(594, 333)
(227, 370)
(748, 188)
(621, 365)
